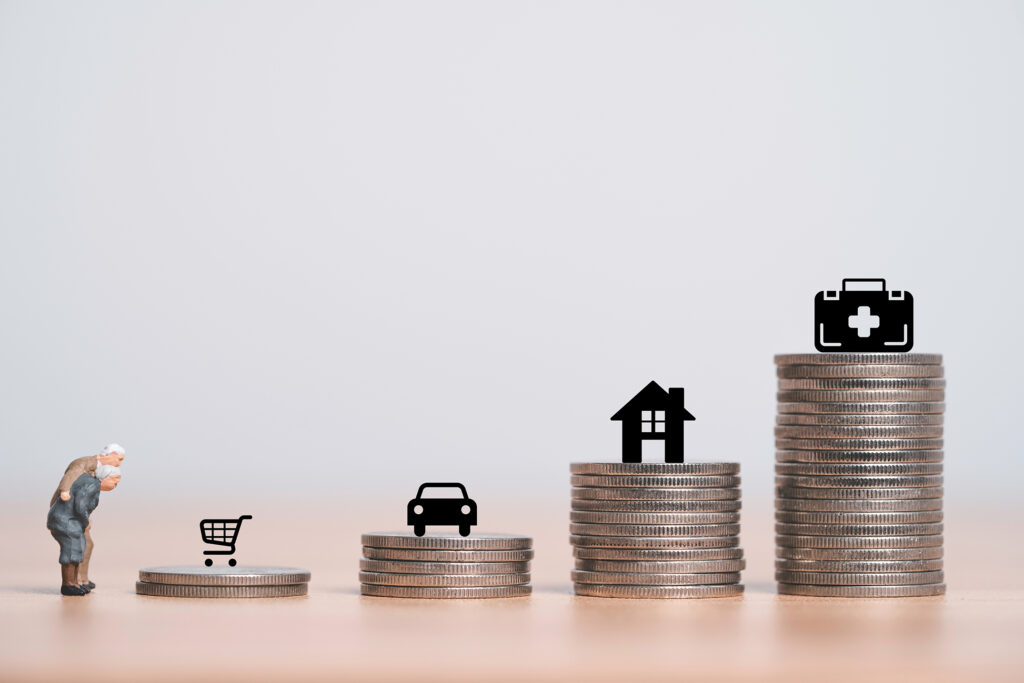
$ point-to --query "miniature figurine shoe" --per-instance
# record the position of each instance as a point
(88, 585)
(85, 587)
(72, 590)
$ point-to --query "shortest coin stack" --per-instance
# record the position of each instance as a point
(656, 530)
(401, 565)
(222, 582)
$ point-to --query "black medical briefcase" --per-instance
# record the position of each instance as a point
(874, 321)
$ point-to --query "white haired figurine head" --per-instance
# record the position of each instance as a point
(112, 455)
(109, 476)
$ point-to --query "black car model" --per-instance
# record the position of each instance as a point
(460, 512)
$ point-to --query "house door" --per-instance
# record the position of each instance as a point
(652, 450)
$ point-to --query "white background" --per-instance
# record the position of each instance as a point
(303, 249)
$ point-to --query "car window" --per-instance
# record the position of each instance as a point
(441, 492)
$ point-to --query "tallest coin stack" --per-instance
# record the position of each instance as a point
(858, 503)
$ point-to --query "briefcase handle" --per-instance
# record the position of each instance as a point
(864, 279)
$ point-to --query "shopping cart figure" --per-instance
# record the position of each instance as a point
(221, 532)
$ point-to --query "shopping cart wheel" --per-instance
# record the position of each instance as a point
(232, 562)
(209, 562)
(463, 530)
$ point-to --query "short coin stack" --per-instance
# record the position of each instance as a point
(401, 565)
(222, 582)
(656, 530)
(858, 504)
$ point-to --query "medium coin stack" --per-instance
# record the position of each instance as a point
(858, 466)
(401, 565)
(656, 530)
(222, 582)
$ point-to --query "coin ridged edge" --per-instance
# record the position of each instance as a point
(379, 539)
(595, 590)
(642, 469)
(444, 593)
(850, 358)
(167, 590)
(916, 591)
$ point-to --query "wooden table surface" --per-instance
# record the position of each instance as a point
(974, 632)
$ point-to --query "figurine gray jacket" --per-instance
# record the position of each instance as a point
(68, 519)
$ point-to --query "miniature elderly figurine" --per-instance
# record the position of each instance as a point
(68, 520)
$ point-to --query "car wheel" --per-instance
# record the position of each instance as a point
(463, 530)
(419, 529)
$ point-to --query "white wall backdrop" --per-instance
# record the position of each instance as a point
(324, 248)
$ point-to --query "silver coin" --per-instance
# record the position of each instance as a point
(595, 590)
(224, 576)
(170, 590)
(820, 505)
(860, 396)
(876, 420)
(438, 592)
(854, 579)
(860, 456)
(829, 407)
(634, 579)
(858, 567)
(858, 432)
(863, 383)
(858, 517)
(445, 580)
(655, 542)
(863, 591)
(861, 370)
(447, 541)
(654, 530)
(858, 444)
(473, 568)
(858, 529)
(656, 468)
(656, 505)
(860, 554)
(655, 517)
(417, 555)
(858, 542)
(858, 359)
(859, 482)
(859, 493)
(654, 555)
(618, 566)
(640, 493)
(858, 469)
(652, 481)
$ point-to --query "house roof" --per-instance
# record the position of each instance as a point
(651, 397)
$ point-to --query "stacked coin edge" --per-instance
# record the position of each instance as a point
(445, 566)
(859, 475)
(221, 582)
(656, 530)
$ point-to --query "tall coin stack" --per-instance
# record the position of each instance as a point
(401, 565)
(858, 504)
(656, 530)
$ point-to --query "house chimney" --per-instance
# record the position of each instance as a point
(675, 397)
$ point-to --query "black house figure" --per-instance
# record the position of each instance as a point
(653, 414)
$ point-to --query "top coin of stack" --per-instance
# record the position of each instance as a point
(222, 582)
(858, 469)
(656, 530)
(401, 565)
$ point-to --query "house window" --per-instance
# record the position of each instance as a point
(652, 420)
